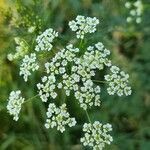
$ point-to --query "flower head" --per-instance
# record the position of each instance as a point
(83, 25)
(118, 82)
(14, 104)
(44, 41)
(59, 117)
(96, 135)
(28, 64)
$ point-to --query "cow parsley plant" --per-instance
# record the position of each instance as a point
(72, 71)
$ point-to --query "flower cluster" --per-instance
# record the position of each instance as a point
(73, 70)
(94, 58)
(14, 104)
(56, 69)
(21, 49)
(96, 135)
(136, 9)
(29, 64)
(78, 77)
(59, 117)
(44, 41)
(118, 82)
(83, 25)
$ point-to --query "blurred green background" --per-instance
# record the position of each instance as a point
(130, 48)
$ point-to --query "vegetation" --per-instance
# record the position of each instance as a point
(129, 46)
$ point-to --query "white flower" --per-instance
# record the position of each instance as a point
(10, 57)
(62, 70)
(28, 64)
(97, 89)
(114, 69)
(90, 48)
(96, 135)
(127, 4)
(138, 20)
(99, 46)
(31, 29)
(44, 41)
(118, 82)
(83, 25)
(127, 90)
(59, 117)
(132, 12)
(14, 104)
(53, 95)
(73, 25)
(129, 19)
(59, 85)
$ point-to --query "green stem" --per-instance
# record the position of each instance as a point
(31, 98)
(80, 45)
(100, 81)
(34, 40)
(63, 94)
(88, 116)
